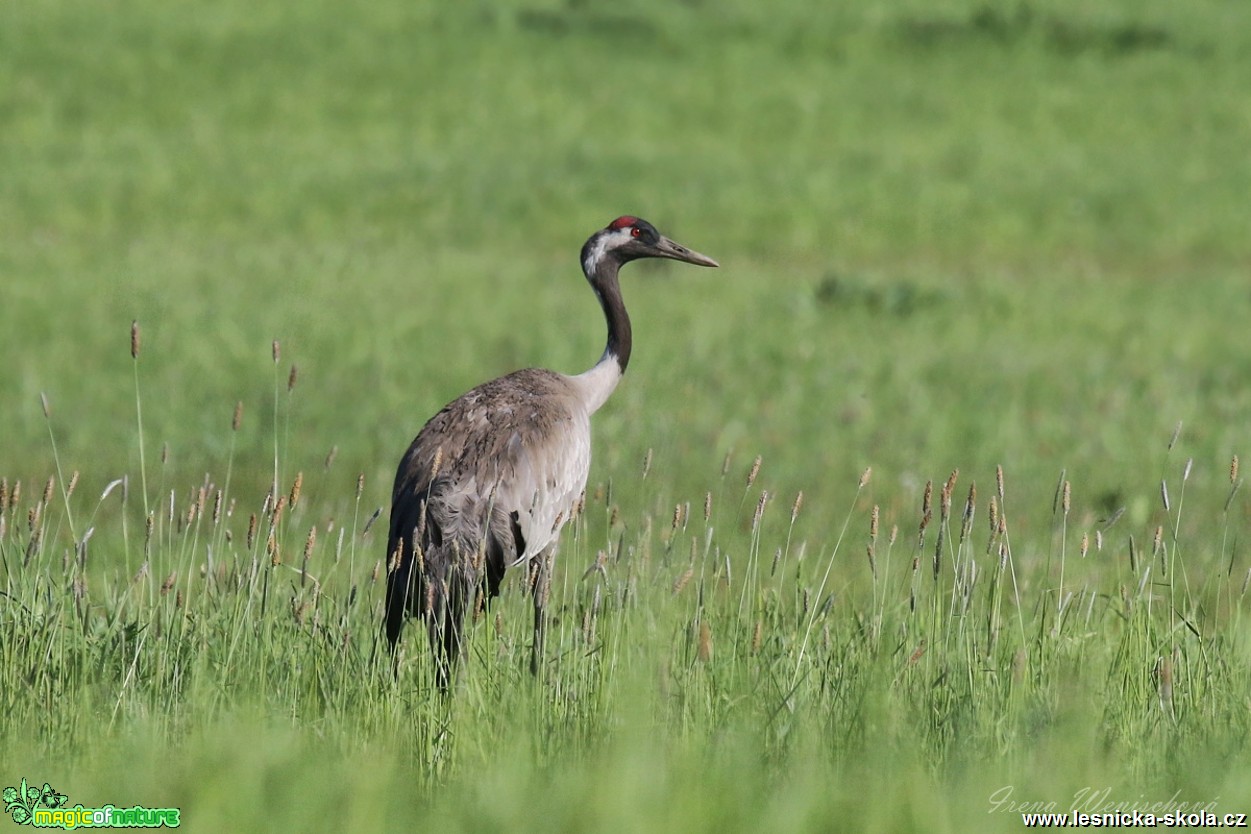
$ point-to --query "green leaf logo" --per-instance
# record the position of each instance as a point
(21, 801)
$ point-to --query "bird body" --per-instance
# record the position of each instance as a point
(492, 478)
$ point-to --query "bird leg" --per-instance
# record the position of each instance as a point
(444, 621)
(540, 587)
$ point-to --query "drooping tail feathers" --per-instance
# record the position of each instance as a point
(439, 562)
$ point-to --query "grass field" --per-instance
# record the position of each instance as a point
(996, 248)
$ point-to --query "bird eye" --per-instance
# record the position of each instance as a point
(636, 232)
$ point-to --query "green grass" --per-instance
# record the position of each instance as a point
(953, 236)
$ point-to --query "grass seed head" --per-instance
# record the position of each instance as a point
(292, 377)
(114, 484)
(827, 606)
(797, 506)
(865, 476)
(647, 463)
(134, 339)
(276, 352)
(681, 581)
(753, 472)
(1233, 469)
(705, 642)
(35, 545)
(237, 419)
(999, 481)
(296, 486)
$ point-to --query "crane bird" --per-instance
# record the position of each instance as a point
(491, 479)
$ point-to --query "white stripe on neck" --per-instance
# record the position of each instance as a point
(596, 385)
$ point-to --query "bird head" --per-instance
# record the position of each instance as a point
(629, 238)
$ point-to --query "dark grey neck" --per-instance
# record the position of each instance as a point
(620, 337)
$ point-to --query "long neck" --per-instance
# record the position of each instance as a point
(598, 383)
(620, 336)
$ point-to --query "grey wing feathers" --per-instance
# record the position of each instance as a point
(490, 480)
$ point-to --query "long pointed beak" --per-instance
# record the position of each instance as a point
(666, 248)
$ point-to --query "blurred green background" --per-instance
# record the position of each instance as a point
(952, 234)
